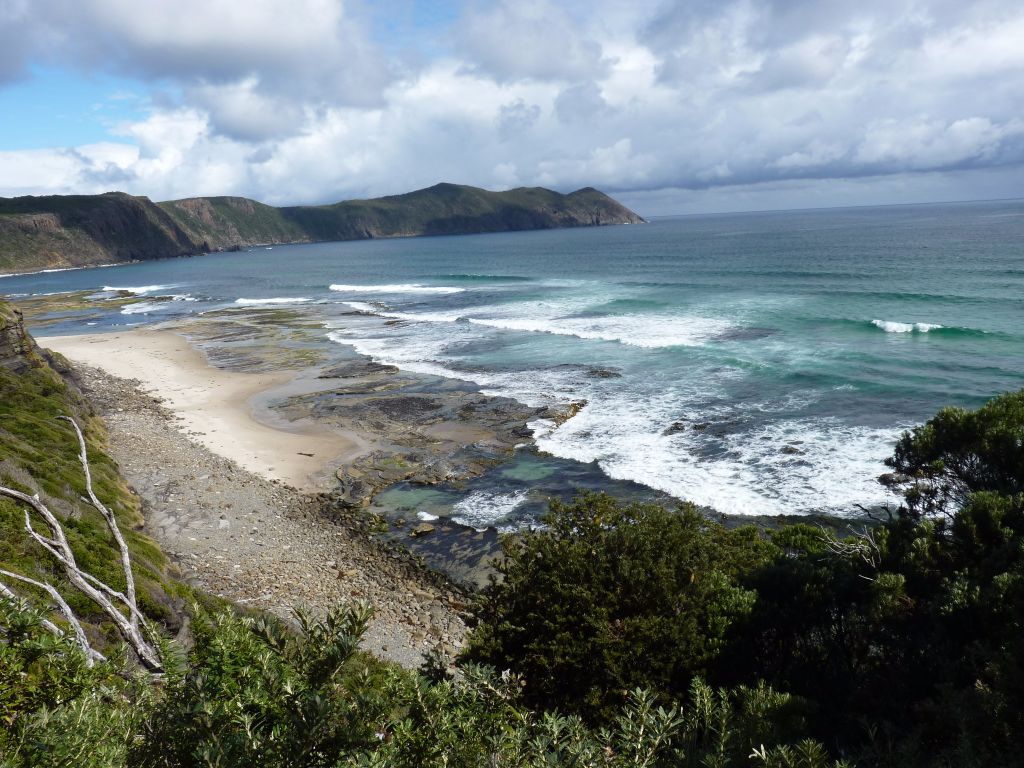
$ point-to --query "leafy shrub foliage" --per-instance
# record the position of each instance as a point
(55, 710)
(607, 597)
(253, 692)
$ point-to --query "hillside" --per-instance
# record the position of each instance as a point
(449, 209)
(444, 209)
(39, 454)
(86, 230)
(58, 231)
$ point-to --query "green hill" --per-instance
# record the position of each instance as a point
(86, 230)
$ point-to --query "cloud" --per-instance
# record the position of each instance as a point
(529, 39)
(301, 102)
(515, 118)
(256, 68)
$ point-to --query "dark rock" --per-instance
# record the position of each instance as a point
(356, 369)
(421, 529)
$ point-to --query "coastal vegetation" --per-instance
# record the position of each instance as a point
(900, 642)
(58, 231)
(39, 454)
(614, 635)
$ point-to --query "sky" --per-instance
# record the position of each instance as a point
(671, 107)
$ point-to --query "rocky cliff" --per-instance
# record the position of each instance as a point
(86, 230)
(58, 231)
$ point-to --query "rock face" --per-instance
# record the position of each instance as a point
(86, 230)
(17, 349)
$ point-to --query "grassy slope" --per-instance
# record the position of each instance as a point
(454, 209)
(226, 222)
(39, 454)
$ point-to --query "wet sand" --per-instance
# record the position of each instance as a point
(217, 407)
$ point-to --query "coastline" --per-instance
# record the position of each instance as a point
(255, 542)
(215, 407)
(342, 428)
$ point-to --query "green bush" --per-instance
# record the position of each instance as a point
(253, 692)
(606, 598)
(56, 710)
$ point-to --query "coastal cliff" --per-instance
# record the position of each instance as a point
(58, 231)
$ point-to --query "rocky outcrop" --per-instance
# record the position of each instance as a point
(17, 349)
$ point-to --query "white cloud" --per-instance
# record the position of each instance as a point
(529, 39)
(295, 102)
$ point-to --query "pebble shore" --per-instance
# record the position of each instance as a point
(262, 543)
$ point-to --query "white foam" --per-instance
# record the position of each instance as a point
(276, 300)
(740, 472)
(142, 307)
(395, 288)
(416, 317)
(145, 307)
(891, 326)
(138, 290)
(486, 509)
(426, 517)
(415, 358)
(649, 331)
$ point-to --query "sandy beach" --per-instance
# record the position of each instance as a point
(215, 406)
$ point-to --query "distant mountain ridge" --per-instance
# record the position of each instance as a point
(59, 231)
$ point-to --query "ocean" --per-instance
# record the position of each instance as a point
(757, 364)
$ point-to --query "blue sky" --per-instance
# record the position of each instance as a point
(673, 107)
(56, 107)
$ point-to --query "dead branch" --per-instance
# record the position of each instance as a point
(126, 563)
(100, 593)
(861, 544)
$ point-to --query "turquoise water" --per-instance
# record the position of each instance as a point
(787, 349)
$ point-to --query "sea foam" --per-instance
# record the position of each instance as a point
(890, 326)
(145, 307)
(395, 288)
(650, 331)
(138, 290)
(276, 300)
(486, 509)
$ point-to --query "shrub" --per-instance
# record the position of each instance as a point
(610, 597)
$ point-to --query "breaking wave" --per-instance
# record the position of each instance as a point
(277, 300)
(395, 288)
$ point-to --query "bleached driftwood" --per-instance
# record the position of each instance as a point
(110, 601)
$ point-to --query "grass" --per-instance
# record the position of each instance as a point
(38, 453)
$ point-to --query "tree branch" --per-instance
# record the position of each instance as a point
(126, 563)
(97, 591)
